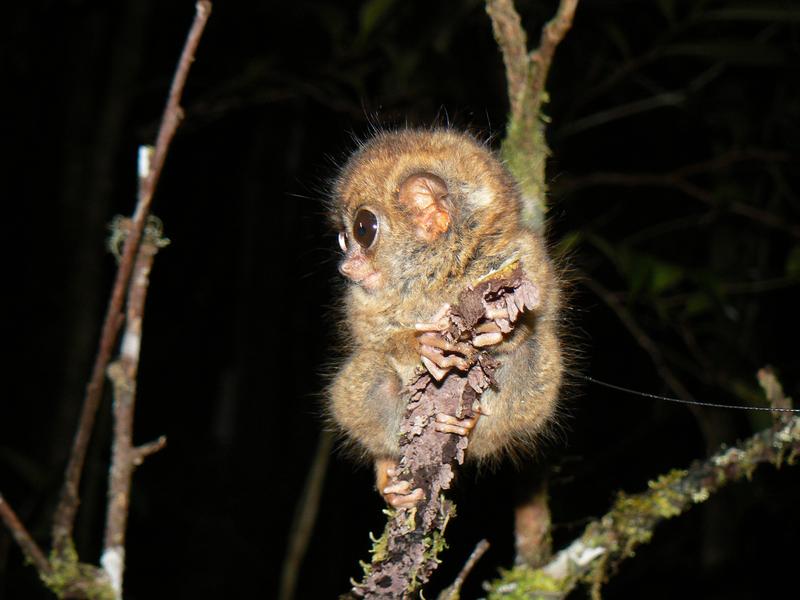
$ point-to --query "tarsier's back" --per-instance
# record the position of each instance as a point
(422, 215)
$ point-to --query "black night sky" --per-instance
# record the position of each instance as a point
(675, 132)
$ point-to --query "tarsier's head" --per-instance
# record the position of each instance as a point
(412, 207)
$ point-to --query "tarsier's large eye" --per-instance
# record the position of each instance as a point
(365, 228)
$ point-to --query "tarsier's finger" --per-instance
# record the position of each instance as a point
(439, 322)
(450, 424)
(409, 500)
(497, 313)
(401, 487)
(442, 361)
(437, 373)
(487, 339)
(437, 341)
(490, 327)
(440, 326)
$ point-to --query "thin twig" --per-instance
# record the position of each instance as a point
(453, 591)
(64, 519)
(145, 450)
(304, 518)
(125, 456)
(513, 42)
(552, 34)
(29, 546)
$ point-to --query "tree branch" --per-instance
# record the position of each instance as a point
(64, 519)
(125, 457)
(632, 519)
(453, 591)
(304, 518)
(404, 557)
(525, 148)
(29, 546)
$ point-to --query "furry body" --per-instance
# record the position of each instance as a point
(409, 273)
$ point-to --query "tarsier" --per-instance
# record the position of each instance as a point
(421, 215)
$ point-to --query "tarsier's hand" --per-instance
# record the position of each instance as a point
(439, 353)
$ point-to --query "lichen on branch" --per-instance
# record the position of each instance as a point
(632, 519)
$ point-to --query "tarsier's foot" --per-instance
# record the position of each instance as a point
(399, 494)
(450, 424)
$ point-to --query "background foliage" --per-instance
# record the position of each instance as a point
(674, 192)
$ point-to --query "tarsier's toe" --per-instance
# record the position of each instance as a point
(404, 499)
(439, 322)
(487, 339)
(449, 424)
(437, 373)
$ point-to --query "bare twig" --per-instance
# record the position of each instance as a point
(125, 456)
(141, 452)
(64, 519)
(453, 591)
(552, 34)
(304, 519)
(29, 546)
(632, 519)
(513, 42)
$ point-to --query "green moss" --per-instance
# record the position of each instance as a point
(379, 546)
(633, 517)
(69, 574)
(524, 583)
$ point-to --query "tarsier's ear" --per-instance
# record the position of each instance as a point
(424, 196)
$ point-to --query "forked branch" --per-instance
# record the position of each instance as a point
(66, 511)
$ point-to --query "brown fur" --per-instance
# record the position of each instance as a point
(419, 273)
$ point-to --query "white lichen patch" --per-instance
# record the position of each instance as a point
(131, 343)
(113, 563)
(732, 456)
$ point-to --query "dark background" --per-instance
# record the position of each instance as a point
(239, 324)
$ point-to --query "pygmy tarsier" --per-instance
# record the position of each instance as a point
(421, 215)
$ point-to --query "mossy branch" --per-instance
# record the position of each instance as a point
(632, 520)
(525, 148)
(407, 553)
